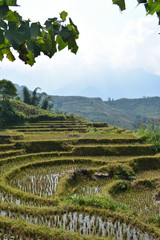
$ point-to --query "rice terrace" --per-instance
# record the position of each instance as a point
(71, 179)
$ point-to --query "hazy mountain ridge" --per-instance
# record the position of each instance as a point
(104, 83)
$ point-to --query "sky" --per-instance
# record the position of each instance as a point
(109, 41)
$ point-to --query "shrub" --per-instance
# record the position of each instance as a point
(9, 115)
(151, 132)
(120, 186)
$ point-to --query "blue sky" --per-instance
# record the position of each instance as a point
(109, 40)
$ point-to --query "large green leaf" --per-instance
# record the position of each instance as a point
(2, 2)
(1, 37)
(12, 16)
(30, 60)
(17, 36)
(142, 1)
(3, 10)
(155, 7)
(10, 56)
(11, 2)
(72, 46)
(65, 34)
(48, 24)
(150, 2)
(75, 27)
(34, 47)
(120, 3)
(3, 24)
(1, 55)
(35, 30)
(63, 15)
(61, 43)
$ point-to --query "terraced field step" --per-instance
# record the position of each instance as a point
(7, 147)
(11, 153)
(5, 138)
(62, 125)
(94, 124)
(89, 147)
(83, 130)
(114, 150)
(96, 141)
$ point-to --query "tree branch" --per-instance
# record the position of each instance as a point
(5, 48)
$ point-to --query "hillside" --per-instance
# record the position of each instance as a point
(125, 113)
(93, 109)
(145, 107)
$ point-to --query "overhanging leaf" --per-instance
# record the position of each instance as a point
(30, 60)
(71, 23)
(155, 7)
(12, 16)
(66, 34)
(63, 15)
(61, 43)
(1, 55)
(142, 1)
(1, 37)
(120, 3)
(3, 24)
(3, 10)
(2, 2)
(11, 2)
(35, 30)
(10, 56)
(34, 47)
(72, 46)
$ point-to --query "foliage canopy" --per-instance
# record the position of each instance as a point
(7, 89)
(42, 100)
(31, 39)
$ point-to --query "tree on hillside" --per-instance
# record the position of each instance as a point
(26, 95)
(42, 100)
(8, 114)
(35, 99)
(47, 103)
(31, 39)
(31, 98)
(7, 89)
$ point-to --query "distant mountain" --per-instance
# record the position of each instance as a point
(104, 83)
(125, 113)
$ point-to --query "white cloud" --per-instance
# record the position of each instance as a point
(136, 46)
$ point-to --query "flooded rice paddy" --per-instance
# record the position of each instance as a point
(43, 181)
(85, 224)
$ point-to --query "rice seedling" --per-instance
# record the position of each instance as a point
(42, 181)
(150, 174)
(84, 224)
(141, 201)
